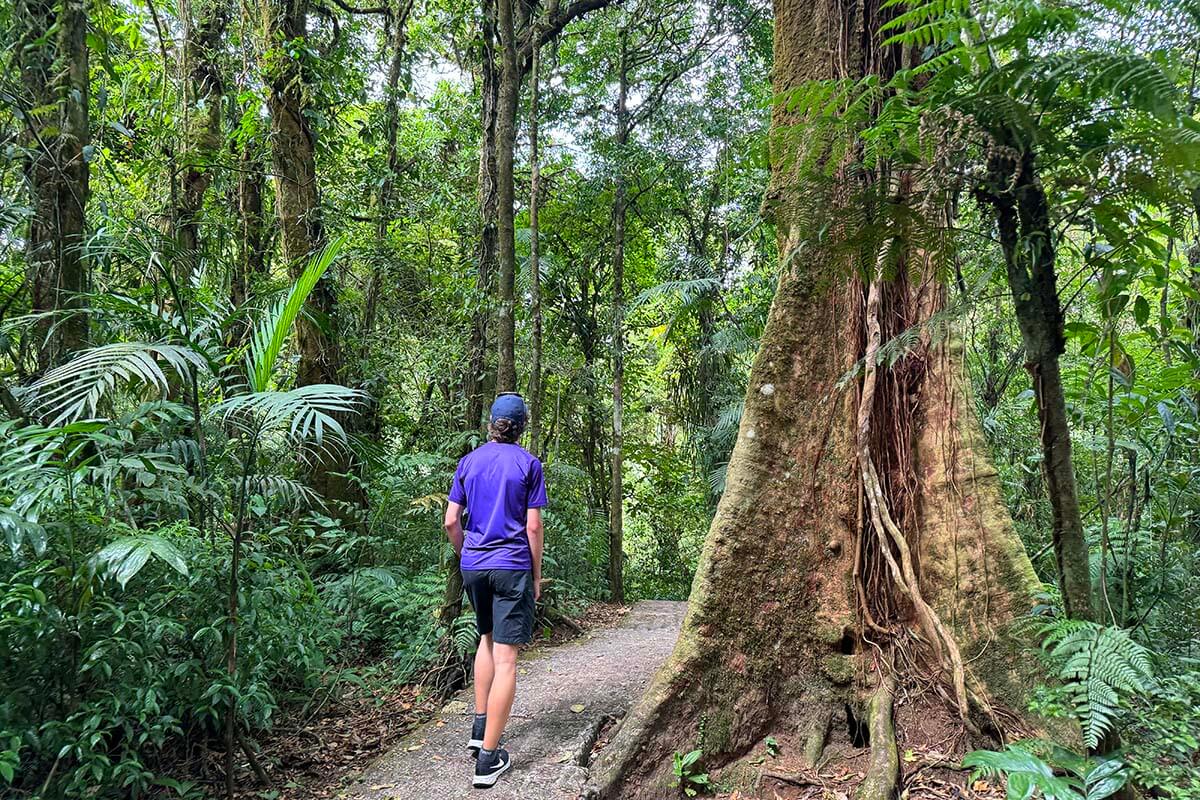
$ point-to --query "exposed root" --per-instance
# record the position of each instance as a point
(792, 778)
(818, 733)
(883, 770)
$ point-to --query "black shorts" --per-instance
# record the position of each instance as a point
(503, 603)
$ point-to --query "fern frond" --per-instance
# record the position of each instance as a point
(1099, 665)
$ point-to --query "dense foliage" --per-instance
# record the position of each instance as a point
(169, 556)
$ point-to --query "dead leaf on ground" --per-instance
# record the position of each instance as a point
(578, 708)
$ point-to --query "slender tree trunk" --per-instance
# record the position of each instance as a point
(391, 112)
(535, 269)
(616, 508)
(861, 532)
(1027, 238)
(485, 256)
(205, 91)
(509, 25)
(506, 132)
(251, 263)
(52, 57)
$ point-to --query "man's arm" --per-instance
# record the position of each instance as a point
(537, 539)
(453, 525)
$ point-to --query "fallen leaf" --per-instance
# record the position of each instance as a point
(379, 787)
(413, 747)
(578, 708)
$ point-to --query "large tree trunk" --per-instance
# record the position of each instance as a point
(53, 59)
(861, 553)
(506, 134)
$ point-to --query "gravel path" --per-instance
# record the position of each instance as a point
(564, 695)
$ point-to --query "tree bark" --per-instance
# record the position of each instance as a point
(1015, 194)
(52, 57)
(797, 613)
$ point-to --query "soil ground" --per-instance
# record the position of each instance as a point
(566, 695)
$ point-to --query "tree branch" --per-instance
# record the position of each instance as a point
(554, 25)
(349, 9)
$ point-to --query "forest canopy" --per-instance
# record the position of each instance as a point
(873, 328)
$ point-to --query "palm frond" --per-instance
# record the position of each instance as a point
(73, 391)
(306, 414)
(125, 557)
(273, 331)
(289, 491)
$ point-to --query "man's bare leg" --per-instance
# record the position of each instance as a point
(503, 689)
(484, 672)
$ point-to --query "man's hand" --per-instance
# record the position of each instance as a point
(537, 588)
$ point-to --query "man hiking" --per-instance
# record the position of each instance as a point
(501, 487)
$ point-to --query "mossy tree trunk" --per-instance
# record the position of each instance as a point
(52, 57)
(204, 84)
(616, 507)
(861, 548)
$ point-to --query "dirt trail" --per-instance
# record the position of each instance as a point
(564, 695)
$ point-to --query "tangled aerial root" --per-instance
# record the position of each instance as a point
(882, 521)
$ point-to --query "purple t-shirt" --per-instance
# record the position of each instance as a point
(497, 483)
